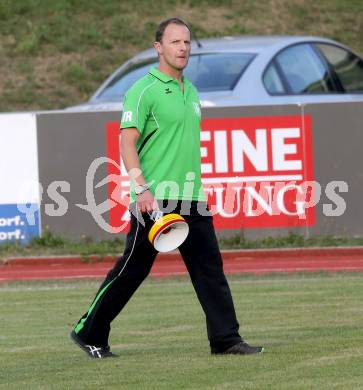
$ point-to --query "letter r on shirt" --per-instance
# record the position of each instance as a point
(127, 116)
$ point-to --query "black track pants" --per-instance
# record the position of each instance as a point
(203, 260)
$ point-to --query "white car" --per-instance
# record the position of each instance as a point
(251, 70)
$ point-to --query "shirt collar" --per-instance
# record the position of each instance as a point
(162, 76)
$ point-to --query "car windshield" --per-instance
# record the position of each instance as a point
(208, 72)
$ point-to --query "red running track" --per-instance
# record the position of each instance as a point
(235, 262)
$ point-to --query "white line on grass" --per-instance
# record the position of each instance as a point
(179, 282)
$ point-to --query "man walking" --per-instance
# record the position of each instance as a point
(160, 147)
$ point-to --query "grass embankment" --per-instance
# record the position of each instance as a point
(309, 324)
(51, 244)
(55, 53)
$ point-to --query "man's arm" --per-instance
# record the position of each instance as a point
(129, 137)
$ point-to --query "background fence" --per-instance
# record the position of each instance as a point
(264, 156)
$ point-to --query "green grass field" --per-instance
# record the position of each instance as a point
(311, 325)
(56, 53)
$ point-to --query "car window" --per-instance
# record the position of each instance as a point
(304, 71)
(117, 87)
(272, 80)
(217, 72)
(347, 66)
(208, 72)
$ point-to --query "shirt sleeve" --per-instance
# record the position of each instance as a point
(135, 109)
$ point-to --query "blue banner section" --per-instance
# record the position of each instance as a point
(19, 222)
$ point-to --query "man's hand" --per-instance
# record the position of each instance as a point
(146, 202)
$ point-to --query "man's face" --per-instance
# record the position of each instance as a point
(174, 50)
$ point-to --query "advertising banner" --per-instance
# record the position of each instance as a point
(19, 188)
(256, 171)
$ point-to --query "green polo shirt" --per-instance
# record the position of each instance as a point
(168, 120)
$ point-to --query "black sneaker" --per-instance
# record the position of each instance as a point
(91, 350)
(241, 348)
